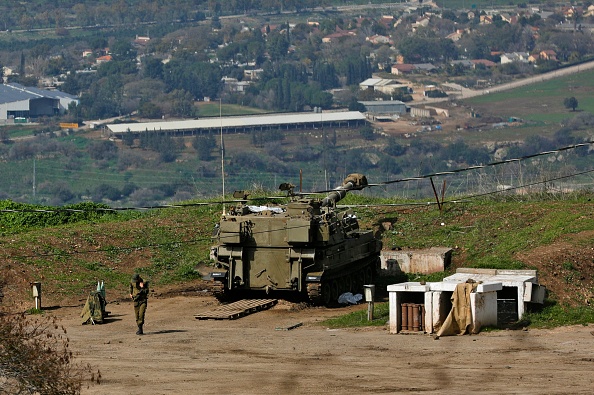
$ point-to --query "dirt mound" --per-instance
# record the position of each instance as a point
(566, 267)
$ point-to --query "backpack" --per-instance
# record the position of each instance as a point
(94, 310)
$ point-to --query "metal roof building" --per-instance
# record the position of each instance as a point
(308, 120)
(17, 100)
(384, 107)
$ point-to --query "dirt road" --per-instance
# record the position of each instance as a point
(182, 355)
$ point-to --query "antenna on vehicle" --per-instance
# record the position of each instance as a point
(222, 153)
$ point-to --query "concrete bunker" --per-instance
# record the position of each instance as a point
(499, 298)
(430, 260)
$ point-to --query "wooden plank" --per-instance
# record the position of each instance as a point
(237, 309)
(288, 328)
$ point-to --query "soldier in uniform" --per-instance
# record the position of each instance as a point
(139, 293)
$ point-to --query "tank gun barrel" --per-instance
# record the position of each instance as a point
(353, 181)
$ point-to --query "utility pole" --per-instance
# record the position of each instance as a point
(222, 151)
(34, 170)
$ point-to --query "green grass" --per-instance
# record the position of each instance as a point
(549, 108)
(381, 314)
(212, 109)
(554, 315)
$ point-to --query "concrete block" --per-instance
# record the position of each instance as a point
(489, 287)
(425, 261)
(443, 286)
(408, 287)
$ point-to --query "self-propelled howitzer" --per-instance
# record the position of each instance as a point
(307, 246)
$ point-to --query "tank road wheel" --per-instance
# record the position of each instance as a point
(314, 293)
(326, 293)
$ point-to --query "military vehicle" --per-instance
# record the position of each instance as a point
(306, 246)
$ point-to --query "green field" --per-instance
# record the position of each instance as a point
(213, 109)
(541, 102)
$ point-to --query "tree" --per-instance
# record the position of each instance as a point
(367, 133)
(153, 67)
(128, 139)
(103, 150)
(203, 146)
(277, 45)
(570, 102)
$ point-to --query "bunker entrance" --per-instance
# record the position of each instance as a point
(507, 306)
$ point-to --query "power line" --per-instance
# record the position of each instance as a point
(198, 240)
(417, 178)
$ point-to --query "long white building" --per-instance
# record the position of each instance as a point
(310, 120)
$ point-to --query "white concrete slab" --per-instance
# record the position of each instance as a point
(408, 287)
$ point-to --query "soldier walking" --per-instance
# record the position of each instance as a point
(139, 293)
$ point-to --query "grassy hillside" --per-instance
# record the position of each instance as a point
(171, 246)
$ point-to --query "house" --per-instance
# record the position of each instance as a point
(572, 11)
(378, 39)
(425, 67)
(385, 86)
(235, 86)
(104, 59)
(464, 63)
(141, 40)
(86, 53)
(338, 35)
(455, 36)
(483, 62)
(386, 21)
(421, 22)
(534, 57)
(252, 74)
(548, 54)
(403, 68)
(511, 19)
(521, 57)
(486, 19)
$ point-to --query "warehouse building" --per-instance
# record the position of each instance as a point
(243, 124)
(18, 101)
(385, 107)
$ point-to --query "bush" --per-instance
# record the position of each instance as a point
(35, 359)
(103, 150)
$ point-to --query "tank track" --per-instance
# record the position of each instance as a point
(218, 289)
(331, 287)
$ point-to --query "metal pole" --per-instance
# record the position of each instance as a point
(222, 152)
(369, 311)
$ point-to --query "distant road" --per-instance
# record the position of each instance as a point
(465, 93)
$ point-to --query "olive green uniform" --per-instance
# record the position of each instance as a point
(140, 297)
